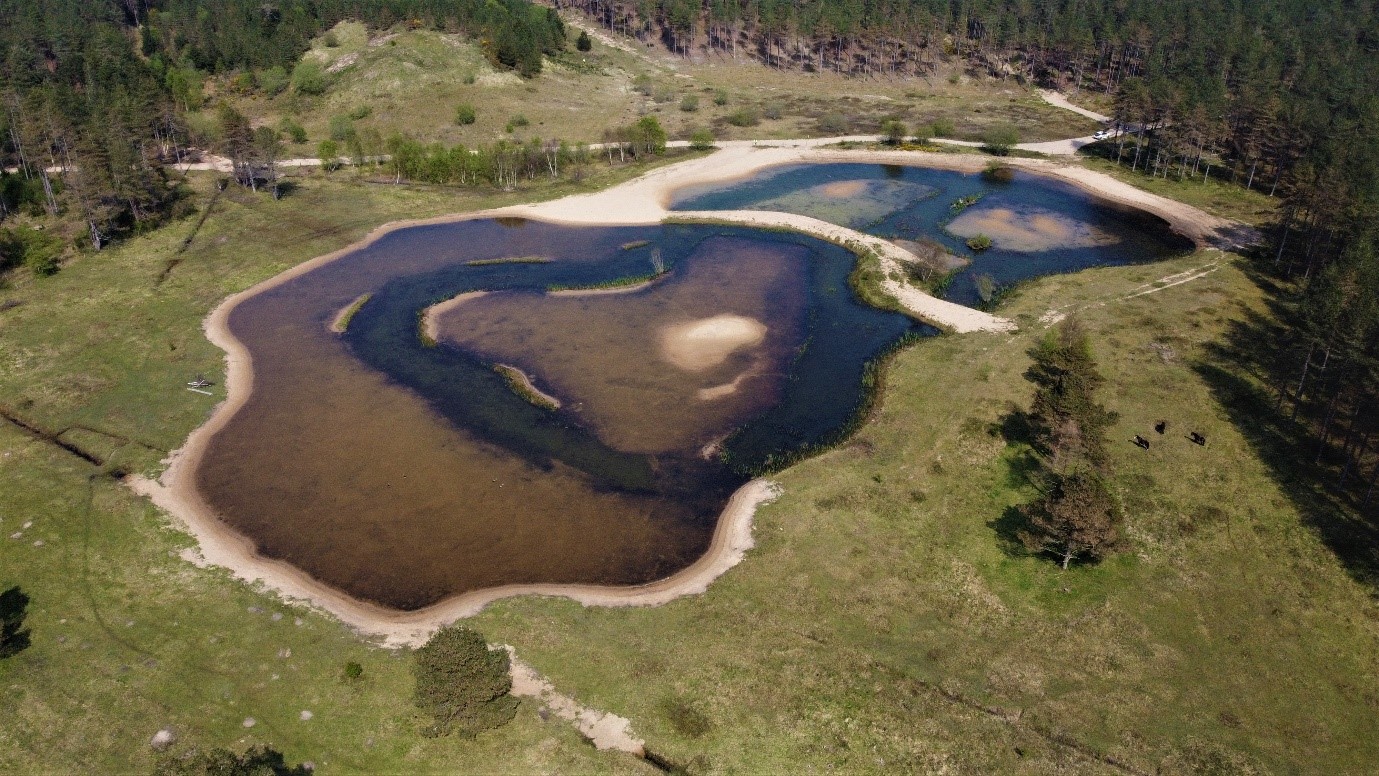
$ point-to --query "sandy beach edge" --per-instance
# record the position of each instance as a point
(175, 491)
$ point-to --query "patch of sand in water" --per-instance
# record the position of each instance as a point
(840, 189)
(698, 345)
(1029, 230)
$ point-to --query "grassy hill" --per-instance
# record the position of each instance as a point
(412, 81)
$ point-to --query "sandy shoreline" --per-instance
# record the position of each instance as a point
(637, 202)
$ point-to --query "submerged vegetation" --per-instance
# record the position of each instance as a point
(512, 260)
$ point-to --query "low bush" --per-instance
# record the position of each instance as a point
(744, 117)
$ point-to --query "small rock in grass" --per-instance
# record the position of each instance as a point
(306, 715)
(250, 722)
(163, 739)
(26, 526)
(38, 543)
(277, 616)
(297, 621)
(285, 653)
(17, 535)
(255, 610)
(308, 766)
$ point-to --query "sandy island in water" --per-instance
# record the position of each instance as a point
(698, 345)
(1028, 229)
(641, 201)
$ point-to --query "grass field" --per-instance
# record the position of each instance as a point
(883, 624)
(129, 637)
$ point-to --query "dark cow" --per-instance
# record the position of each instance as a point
(1198, 439)
(1141, 442)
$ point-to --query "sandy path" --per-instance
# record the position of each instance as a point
(640, 201)
(1059, 100)
(603, 729)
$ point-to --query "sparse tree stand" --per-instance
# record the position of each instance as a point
(1077, 516)
(463, 684)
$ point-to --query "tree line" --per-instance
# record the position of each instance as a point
(92, 93)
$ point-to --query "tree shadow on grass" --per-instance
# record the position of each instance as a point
(14, 637)
(1007, 528)
(1256, 350)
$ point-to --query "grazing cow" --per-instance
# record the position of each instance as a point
(1161, 426)
(1141, 442)
(1198, 439)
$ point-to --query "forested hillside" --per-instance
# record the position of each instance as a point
(92, 92)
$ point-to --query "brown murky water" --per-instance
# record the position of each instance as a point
(673, 366)
(364, 483)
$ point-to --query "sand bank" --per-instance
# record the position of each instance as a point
(430, 317)
(1025, 230)
(526, 388)
(609, 290)
(698, 345)
(342, 318)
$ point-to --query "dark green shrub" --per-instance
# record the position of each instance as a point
(701, 139)
(720, 97)
(942, 128)
(689, 103)
(999, 140)
(979, 242)
(744, 117)
(353, 670)
(341, 128)
(361, 112)
(462, 684)
(294, 131)
(464, 114)
(833, 124)
(583, 43)
(308, 77)
(772, 110)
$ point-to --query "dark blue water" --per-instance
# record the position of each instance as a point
(1138, 236)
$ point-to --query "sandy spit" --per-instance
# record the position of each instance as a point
(337, 326)
(637, 202)
(430, 317)
(526, 382)
(610, 290)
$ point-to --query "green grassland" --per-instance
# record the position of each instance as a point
(128, 636)
(883, 623)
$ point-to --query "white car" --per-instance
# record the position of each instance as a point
(1102, 134)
